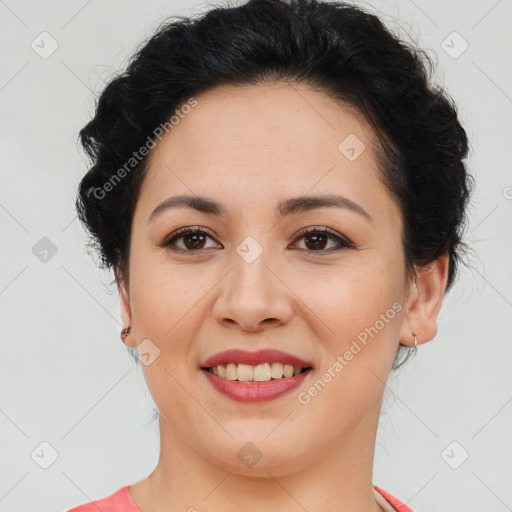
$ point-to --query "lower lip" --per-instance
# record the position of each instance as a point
(255, 391)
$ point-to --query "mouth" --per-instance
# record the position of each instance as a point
(255, 376)
(261, 366)
(264, 372)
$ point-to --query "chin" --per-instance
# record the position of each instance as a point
(263, 463)
(258, 453)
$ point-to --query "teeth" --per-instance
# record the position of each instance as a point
(288, 370)
(245, 372)
(276, 370)
(260, 373)
(231, 371)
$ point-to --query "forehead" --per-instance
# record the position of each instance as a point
(291, 117)
(253, 142)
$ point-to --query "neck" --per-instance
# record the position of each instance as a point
(338, 479)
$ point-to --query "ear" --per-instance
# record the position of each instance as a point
(126, 312)
(423, 302)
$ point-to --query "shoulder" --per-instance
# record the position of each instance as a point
(120, 501)
(394, 502)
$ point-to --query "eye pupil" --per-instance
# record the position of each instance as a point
(315, 240)
(316, 244)
(194, 244)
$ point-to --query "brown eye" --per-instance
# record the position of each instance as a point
(194, 240)
(316, 240)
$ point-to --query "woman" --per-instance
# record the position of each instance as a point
(281, 194)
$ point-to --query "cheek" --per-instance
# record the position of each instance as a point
(351, 298)
(163, 292)
(361, 308)
(167, 310)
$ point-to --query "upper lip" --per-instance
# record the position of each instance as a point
(254, 358)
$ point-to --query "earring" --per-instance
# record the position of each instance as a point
(125, 332)
(411, 351)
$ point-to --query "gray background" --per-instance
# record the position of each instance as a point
(66, 378)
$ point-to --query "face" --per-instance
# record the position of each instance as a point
(250, 280)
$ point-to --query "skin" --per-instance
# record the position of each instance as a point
(249, 148)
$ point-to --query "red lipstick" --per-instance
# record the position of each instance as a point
(254, 358)
(255, 391)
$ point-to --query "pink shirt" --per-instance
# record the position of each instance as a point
(121, 501)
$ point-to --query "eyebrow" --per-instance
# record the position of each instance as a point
(284, 208)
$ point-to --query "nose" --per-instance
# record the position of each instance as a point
(253, 295)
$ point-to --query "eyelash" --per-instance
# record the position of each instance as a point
(343, 243)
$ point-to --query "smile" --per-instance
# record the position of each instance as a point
(259, 373)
